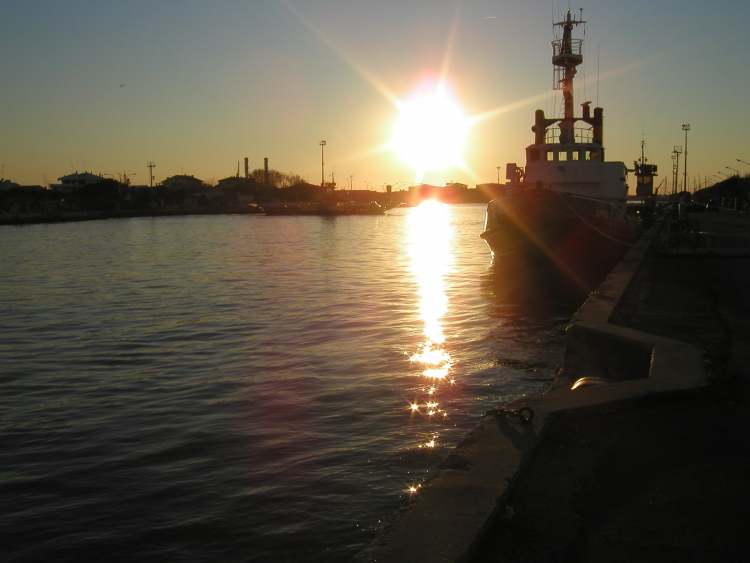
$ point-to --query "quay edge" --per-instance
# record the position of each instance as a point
(454, 510)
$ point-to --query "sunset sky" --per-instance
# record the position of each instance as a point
(193, 85)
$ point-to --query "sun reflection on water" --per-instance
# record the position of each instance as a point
(430, 236)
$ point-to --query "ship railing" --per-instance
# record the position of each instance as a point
(576, 46)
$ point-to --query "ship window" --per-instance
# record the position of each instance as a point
(550, 156)
(588, 155)
(563, 156)
(594, 155)
(575, 155)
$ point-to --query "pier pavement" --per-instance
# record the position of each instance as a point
(651, 464)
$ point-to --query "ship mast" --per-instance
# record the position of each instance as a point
(566, 56)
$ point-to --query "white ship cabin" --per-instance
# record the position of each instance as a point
(571, 159)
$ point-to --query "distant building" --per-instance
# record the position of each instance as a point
(303, 191)
(72, 182)
(456, 186)
(237, 182)
(451, 192)
(237, 191)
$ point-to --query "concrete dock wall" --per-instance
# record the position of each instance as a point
(446, 521)
(598, 348)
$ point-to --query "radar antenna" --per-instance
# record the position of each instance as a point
(566, 56)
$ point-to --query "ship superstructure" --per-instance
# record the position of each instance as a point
(568, 151)
(567, 205)
(644, 174)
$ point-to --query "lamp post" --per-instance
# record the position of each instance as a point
(322, 163)
(686, 128)
(677, 152)
(151, 165)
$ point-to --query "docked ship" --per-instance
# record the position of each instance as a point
(564, 213)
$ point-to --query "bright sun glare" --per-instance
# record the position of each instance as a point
(430, 131)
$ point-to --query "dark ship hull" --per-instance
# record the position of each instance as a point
(551, 239)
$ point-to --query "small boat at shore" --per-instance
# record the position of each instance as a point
(564, 213)
(327, 209)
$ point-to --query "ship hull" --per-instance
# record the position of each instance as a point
(549, 239)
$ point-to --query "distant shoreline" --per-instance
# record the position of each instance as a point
(77, 216)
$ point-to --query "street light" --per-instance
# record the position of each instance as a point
(676, 156)
(686, 128)
(322, 163)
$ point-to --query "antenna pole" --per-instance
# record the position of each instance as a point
(322, 163)
(566, 56)
(686, 128)
(598, 52)
(151, 167)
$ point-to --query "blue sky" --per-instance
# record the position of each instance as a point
(207, 83)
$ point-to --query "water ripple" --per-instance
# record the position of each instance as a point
(237, 388)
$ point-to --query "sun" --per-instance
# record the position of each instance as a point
(430, 131)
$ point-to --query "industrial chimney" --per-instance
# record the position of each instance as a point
(247, 169)
(265, 171)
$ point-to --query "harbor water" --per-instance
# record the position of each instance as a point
(245, 388)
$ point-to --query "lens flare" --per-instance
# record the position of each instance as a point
(431, 130)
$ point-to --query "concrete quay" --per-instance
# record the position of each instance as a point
(645, 460)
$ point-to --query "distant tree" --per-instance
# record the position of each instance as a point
(293, 180)
(141, 197)
(184, 182)
(25, 199)
(276, 179)
(102, 196)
